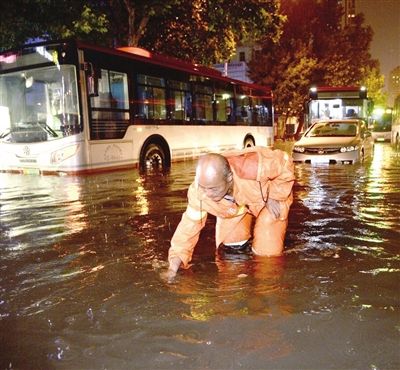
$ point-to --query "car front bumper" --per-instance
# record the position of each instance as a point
(333, 158)
(381, 136)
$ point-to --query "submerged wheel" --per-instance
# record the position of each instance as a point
(248, 142)
(153, 157)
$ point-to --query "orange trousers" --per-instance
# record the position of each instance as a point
(268, 234)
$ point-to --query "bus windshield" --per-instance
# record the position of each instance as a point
(39, 104)
(337, 109)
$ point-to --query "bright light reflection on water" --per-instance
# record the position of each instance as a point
(81, 259)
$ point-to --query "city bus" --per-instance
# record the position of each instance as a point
(327, 102)
(69, 107)
(395, 137)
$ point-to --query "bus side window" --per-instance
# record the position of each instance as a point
(178, 105)
(119, 90)
(110, 109)
(223, 106)
(144, 97)
(180, 101)
(260, 112)
(152, 97)
(188, 106)
(203, 107)
(243, 111)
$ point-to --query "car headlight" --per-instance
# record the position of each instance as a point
(351, 148)
(299, 149)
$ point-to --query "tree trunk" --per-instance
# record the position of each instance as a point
(131, 23)
(300, 126)
(135, 35)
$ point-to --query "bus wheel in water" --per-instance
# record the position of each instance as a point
(153, 157)
(248, 142)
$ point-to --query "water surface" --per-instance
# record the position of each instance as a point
(81, 259)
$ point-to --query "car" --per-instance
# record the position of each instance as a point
(381, 135)
(333, 141)
(381, 130)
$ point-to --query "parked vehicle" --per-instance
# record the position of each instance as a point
(382, 135)
(336, 102)
(67, 107)
(382, 124)
(334, 141)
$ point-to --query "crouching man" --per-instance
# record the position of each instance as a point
(252, 186)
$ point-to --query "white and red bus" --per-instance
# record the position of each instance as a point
(70, 107)
(341, 102)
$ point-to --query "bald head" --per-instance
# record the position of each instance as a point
(214, 176)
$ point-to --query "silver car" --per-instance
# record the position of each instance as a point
(334, 141)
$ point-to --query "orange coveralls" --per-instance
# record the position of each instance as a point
(259, 173)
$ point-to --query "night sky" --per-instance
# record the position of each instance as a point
(384, 18)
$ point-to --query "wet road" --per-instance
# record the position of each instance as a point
(80, 284)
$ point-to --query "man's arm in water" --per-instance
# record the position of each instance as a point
(174, 264)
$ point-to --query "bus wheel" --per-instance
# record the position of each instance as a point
(248, 142)
(153, 157)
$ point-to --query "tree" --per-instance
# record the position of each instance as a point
(294, 72)
(208, 31)
(23, 20)
(203, 31)
(347, 59)
(129, 19)
(88, 26)
(314, 49)
(374, 82)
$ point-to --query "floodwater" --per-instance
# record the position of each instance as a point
(82, 259)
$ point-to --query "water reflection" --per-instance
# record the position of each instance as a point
(232, 288)
(348, 202)
(141, 196)
(81, 259)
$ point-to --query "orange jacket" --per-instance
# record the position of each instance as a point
(259, 173)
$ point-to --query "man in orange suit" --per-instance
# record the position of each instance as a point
(237, 187)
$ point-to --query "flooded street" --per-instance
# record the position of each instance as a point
(81, 259)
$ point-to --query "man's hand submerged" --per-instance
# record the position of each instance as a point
(173, 268)
(168, 275)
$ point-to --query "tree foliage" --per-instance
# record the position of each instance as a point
(203, 31)
(208, 31)
(129, 19)
(314, 49)
(88, 26)
(374, 82)
(23, 20)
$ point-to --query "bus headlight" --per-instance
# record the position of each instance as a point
(63, 153)
(351, 148)
(299, 149)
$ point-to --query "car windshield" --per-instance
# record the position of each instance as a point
(322, 129)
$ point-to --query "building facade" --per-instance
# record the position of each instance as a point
(393, 85)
